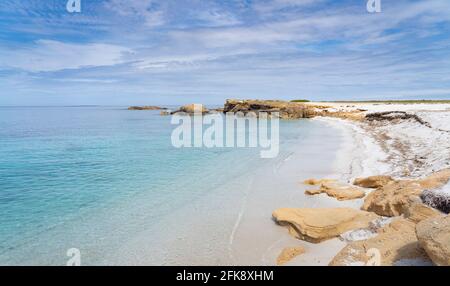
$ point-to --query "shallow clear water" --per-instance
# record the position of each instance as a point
(108, 181)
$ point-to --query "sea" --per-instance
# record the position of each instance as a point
(109, 183)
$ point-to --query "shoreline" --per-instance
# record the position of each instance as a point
(381, 148)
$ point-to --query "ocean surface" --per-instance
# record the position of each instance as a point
(108, 182)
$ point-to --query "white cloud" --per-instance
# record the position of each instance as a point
(151, 15)
(49, 55)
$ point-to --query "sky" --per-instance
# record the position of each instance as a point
(132, 52)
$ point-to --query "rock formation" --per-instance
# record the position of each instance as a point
(289, 253)
(317, 182)
(149, 107)
(373, 181)
(316, 225)
(396, 242)
(190, 109)
(339, 191)
(285, 110)
(392, 199)
(434, 237)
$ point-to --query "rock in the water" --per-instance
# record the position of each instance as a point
(191, 109)
(316, 225)
(434, 237)
(339, 191)
(373, 181)
(312, 192)
(150, 107)
(396, 242)
(289, 253)
(393, 198)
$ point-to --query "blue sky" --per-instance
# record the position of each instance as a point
(124, 52)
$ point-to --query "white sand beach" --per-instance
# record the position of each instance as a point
(403, 149)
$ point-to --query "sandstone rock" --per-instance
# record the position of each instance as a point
(350, 115)
(373, 181)
(316, 225)
(339, 191)
(285, 110)
(418, 211)
(164, 113)
(313, 192)
(396, 242)
(393, 199)
(434, 237)
(317, 182)
(289, 253)
(190, 109)
(436, 180)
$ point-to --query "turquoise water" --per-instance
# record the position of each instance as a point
(95, 177)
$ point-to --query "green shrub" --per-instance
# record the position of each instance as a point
(300, 100)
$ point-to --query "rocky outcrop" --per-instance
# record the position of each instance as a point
(289, 253)
(395, 243)
(191, 109)
(434, 236)
(373, 181)
(284, 109)
(393, 199)
(436, 180)
(149, 107)
(316, 225)
(418, 211)
(349, 115)
(339, 191)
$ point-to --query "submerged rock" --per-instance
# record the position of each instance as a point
(316, 225)
(289, 253)
(434, 237)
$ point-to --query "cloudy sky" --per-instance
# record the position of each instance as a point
(123, 52)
